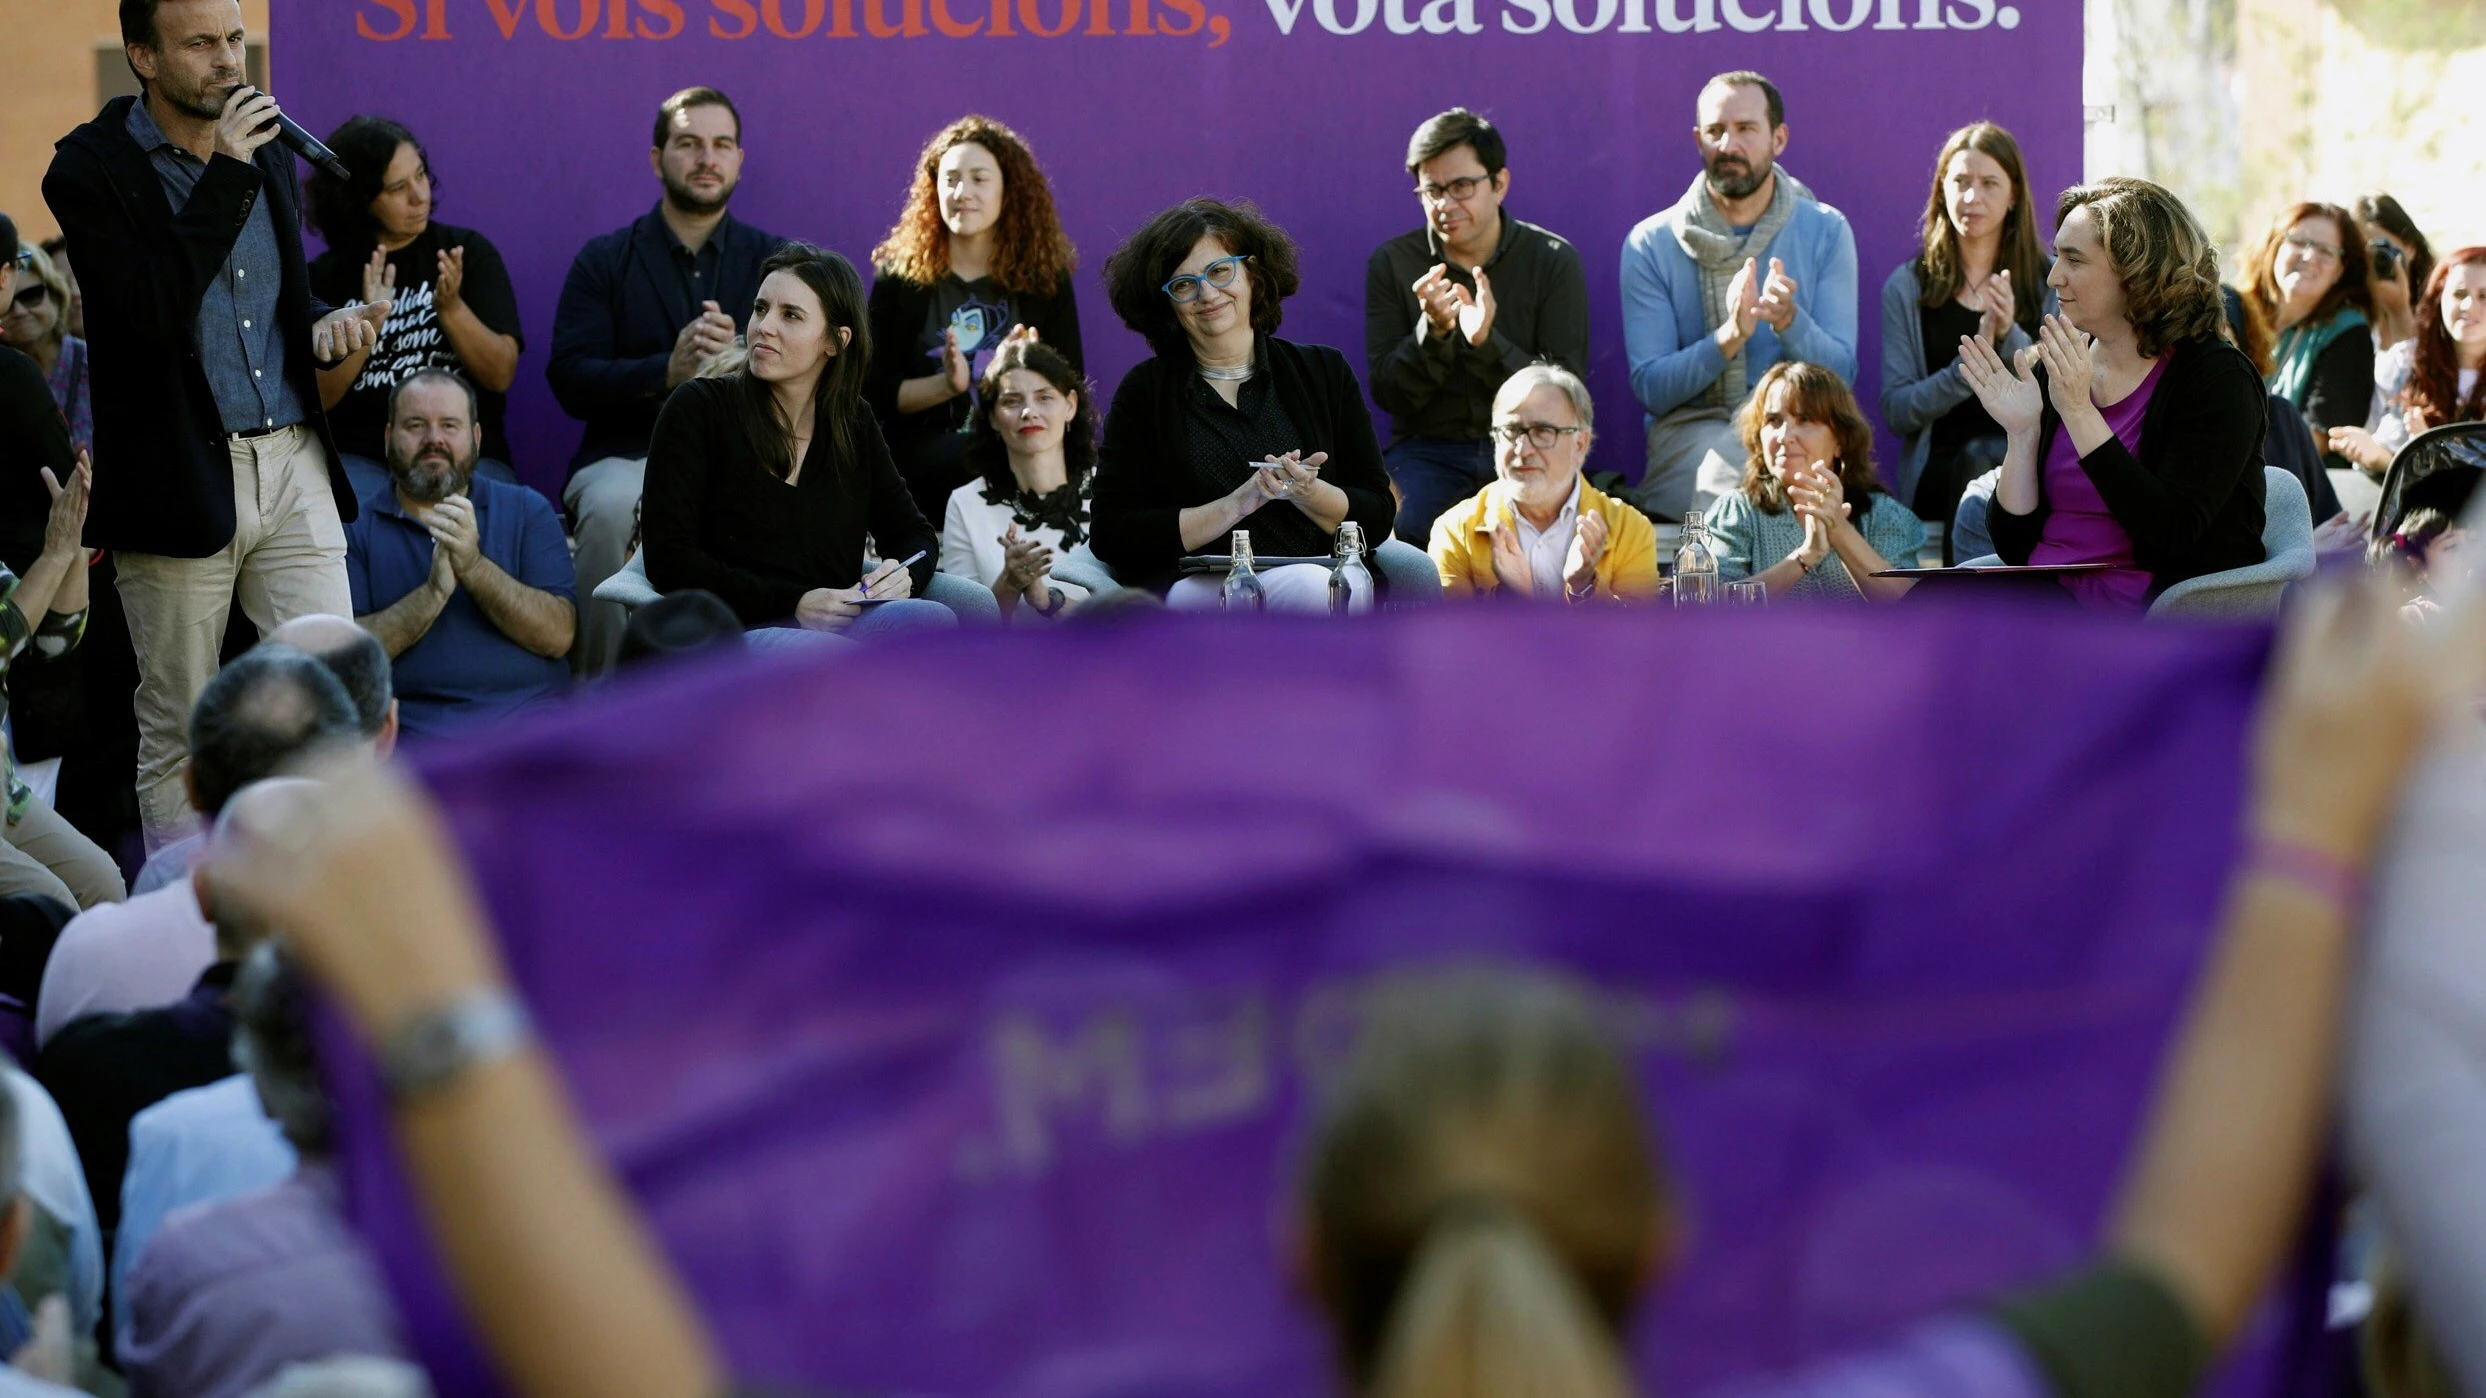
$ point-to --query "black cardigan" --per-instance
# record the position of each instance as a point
(1136, 514)
(2340, 390)
(2192, 499)
(715, 518)
(164, 477)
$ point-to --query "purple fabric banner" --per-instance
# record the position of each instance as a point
(536, 113)
(950, 1008)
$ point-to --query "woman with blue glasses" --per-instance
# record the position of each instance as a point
(1229, 427)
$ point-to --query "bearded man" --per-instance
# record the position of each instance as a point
(1747, 269)
(644, 308)
(465, 580)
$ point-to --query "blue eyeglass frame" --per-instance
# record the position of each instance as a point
(1202, 278)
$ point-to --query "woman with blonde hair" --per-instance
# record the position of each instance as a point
(1812, 519)
(977, 253)
(2134, 429)
(35, 323)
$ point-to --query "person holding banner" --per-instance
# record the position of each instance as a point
(977, 253)
(2134, 427)
(1747, 269)
(762, 483)
(643, 309)
(1229, 427)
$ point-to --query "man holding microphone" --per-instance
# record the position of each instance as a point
(186, 223)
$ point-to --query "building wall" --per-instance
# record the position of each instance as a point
(53, 86)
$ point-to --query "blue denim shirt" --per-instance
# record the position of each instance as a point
(239, 342)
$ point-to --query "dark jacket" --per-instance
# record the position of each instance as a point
(163, 475)
(2191, 499)
(1145, 477)
(1443, 387)
(621, 310)
(2340, 391)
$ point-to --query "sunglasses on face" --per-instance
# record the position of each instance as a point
(1185, 289)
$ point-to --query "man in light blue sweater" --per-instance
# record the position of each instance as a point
(1748, 268)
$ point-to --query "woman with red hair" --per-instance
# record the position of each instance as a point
(2308, 285)
(977, 252)
(2431, 378)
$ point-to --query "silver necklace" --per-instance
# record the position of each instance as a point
(1218, 374)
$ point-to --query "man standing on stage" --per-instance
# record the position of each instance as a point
(186, 222)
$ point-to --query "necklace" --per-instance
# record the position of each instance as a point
(1222, 374)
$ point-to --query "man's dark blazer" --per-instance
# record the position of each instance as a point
(163, 478)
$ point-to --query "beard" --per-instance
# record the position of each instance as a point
(432, 476)
(205, 101)
(690, 201)
(1731, 178)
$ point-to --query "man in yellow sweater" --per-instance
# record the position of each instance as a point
(1539, 530)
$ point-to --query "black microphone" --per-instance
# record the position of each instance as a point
(306, 145)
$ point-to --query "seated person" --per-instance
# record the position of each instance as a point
(43, 615)
(230, 1292)
(1540, 530)
(2141, 445)
(197, 1146)
(467, 581)
(2308, 286)
(762, 483)
(1746, 269)
(1812, 519)
(1229, 428)
(2431, 378)
(1032, 448)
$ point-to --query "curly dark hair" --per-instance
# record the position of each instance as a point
(1814, 394)
(341, 209)
(1136, 273)
(2161, 254)
(990, 455)
(1031, 253)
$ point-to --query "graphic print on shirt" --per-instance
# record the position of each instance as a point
(410, 340)
(980, 325)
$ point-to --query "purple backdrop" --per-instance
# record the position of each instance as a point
(953, 1030)
(540, 141)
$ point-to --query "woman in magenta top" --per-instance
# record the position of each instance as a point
(2134, 428)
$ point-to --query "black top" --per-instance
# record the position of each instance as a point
(413, 339)
(2340, 390)
(627, 297)
(1444, 387)
(1943, 327)
(143, 269)
(2192, 498)
(104, 1069)
(715, 518)
(909, 322)
(1172, 443)
(33, 435)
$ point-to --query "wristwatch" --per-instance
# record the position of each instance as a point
(1054, 600)
(442, 1045)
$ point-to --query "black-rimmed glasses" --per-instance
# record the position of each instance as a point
(1541, 435)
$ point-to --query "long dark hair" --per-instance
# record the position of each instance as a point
(1938, 262)
(990, 455)
(837, 399)
(2434, 372)
(341, 209)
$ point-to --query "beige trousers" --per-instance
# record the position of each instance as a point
(286, 559)
(45, 854)
(603, 500)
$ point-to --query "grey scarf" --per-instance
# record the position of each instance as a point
(1719, 253)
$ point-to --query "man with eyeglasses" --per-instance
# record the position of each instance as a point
(1456, 307)
(1747, 269)
(1539, 530)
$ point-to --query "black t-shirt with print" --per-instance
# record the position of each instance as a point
(931, 446)
(413, 338)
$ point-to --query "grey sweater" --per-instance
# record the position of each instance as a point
(1912, 400)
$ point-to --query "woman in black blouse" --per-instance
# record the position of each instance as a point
(762, 484)
(1230, 427)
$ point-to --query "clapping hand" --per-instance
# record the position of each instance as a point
(2009, 393)
(1026, 563)
(1777, 302)
(1821, 499)
(1996, 310)
(379, 279)
(1476, 312)
(2065, 353)
(1510, 559)
(1743, 298)
(1588, 548)
(449, 281)
(456, 532)
(1438, 298)
(954, 365)
(708, 332)
(66, 524)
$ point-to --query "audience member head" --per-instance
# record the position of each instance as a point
(2451, 336)
(36, 316)
(1462, 178)
(810, 340)
(1981, 195)
(1034, 403)
(254, 812)
(359, 662)
(1543, 425)
(977, 178)
(269, 710)
(2400, 257)
(57, 248)
(435, 435)
(272, 1043)
(2131, 261)
(188, 54)
(388, 200)
(1741, 124)
(1202, 271)
(2311, 265)
(678, 624)
(2427, 538)
(698, 150)
(1482, 1206)
(1803, 415)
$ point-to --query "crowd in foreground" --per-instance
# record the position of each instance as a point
(194, 412)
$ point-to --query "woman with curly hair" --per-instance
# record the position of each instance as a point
(977, 253)
(1812, 519)
(2308, 283)
(1033, 447)
(2133, 429)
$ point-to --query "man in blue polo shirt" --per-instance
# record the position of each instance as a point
(467, 582)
